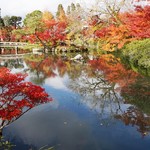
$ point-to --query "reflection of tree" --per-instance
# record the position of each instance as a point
(101, 84)
(5, 145)
(10, 63)
(46, 66)
(96, 89)
(133, 88)
(113, 70)
(137, 93)
(135, 117)
(97, 92)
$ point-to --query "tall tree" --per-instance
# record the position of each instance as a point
(68, 10)
(1, 23)
(78, 6)
(6, 20)
(61, 16)
(73, 7)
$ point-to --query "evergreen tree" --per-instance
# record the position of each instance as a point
(61, 16)
(15, 21)
(78, 7)
(68, 10)
(73, 7)
(6, 20)
(1, 23)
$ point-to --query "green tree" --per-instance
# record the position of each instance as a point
(73, 7)
(6, 20)
(15, 21)
(33, 21)
(1, 23)
(68, 10)
(61, 16)
(78, 7)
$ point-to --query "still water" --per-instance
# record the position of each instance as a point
(98, 104)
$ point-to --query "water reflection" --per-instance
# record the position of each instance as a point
(12, 63)
(93, 100)
(62, 133)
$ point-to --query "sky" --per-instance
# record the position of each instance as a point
(22, 7)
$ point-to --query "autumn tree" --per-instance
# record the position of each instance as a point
(6, 34)
(17, 97)
(76, 22)
(138, 22)
(47, 16)
(53, 34)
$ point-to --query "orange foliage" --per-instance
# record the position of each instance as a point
(132, 26)
(138, 22)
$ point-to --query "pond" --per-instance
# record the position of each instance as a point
(98, 104)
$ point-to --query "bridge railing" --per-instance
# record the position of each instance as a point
(12, 44)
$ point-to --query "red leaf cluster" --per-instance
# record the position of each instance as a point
(17, 96)
(138, 22)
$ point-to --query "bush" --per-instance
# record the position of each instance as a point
(138, 52)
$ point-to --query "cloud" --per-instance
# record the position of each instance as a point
(56, 82)
(54, 127)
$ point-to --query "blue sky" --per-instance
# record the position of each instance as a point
(22, 7)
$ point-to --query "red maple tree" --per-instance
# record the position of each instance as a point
(17, 96)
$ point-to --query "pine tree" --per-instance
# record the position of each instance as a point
(78, 7)
(61, 16)
(73, 7)
(1, 23)
(68, 10)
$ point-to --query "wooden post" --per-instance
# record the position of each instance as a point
(16, 49)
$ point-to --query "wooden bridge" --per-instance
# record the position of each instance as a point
(13, 44)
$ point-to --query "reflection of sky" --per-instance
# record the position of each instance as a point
(57, 127)
(68, 124)
(71, 123)
(57, 82)
(72, 126)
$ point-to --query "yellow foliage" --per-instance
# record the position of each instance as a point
(47, 15)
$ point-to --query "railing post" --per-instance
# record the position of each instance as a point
(16, 49)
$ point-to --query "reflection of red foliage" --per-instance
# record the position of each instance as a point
(113, 70)
(17, 96)
(48, 66)
(135, 117)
